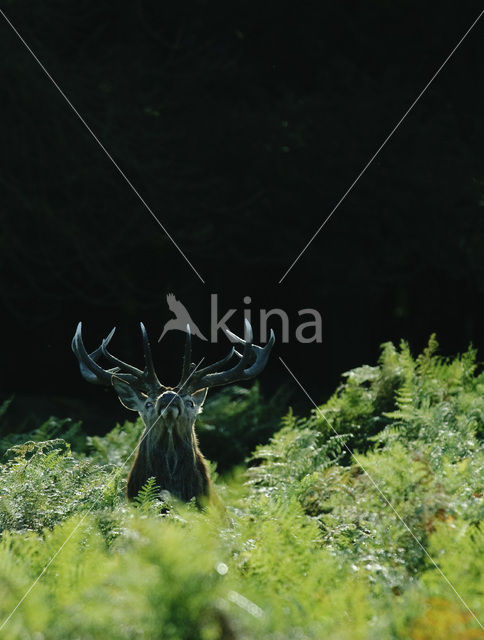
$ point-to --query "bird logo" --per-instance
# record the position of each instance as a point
(181, 319)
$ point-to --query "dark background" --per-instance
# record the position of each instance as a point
(241, 124)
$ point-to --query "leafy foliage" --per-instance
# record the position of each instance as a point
(365, 524)
(43, 483)
(118, 445)
(52, 428)
(235, 420)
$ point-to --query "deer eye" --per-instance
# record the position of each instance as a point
(148, 404)
(189, 402)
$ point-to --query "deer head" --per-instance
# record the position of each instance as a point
(168, 448)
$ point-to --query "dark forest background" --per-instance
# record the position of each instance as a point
(241, 124)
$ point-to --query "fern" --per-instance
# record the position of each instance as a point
(42, 483)
(116, 447)
(51, 429)
(5, 405)
(148, 495)
(307, 546)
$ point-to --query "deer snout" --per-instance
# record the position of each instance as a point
(169, 398)
(169, 404)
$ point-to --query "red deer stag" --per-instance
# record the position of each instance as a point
(168, 448)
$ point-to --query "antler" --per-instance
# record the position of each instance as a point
(92, 372)
(252, 362)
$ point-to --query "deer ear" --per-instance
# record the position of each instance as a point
(129, 398)
(199, 397)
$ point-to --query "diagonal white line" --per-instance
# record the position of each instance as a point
(120, 171)
(384, 496)
(384, 142)
(117, 470)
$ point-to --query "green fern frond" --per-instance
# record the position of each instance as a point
(148, 495)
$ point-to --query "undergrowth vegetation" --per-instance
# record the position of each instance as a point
(361, 520)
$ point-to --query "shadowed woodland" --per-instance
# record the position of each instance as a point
(241, 125)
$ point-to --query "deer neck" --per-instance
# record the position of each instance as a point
(169, 452)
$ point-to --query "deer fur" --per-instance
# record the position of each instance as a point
(168, 449)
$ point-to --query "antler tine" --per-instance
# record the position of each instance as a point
(90, 370)
(187, 366)
(149, 372)
(119, 363)
(192, 379)
(248, 334)
(216, 365)
(209, 377)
